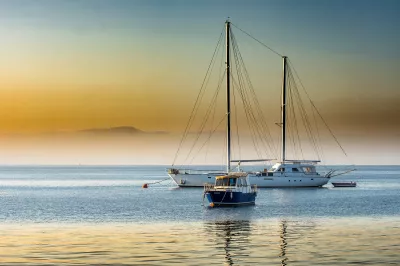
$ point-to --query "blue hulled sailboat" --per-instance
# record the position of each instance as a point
(233, 189)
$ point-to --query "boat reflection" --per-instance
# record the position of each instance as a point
(283, 244)
(239, 242)
(232, 238)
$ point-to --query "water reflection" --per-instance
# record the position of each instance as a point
(231, 242)
(283, 244)
(232, 237)
(240, 242)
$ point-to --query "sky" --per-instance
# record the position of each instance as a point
(73, 65)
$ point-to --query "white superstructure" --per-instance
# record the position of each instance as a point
(288, 174)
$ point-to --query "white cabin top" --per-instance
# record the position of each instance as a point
(232, 180)
(293, 167)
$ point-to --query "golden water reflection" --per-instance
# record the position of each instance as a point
(283, 242)
(231, 238)
(262, 242)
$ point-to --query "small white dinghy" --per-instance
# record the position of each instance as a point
(344, 184)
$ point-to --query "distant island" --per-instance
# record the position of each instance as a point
(126, 130)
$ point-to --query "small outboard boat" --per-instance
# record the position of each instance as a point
(344, 184)
(233, 189)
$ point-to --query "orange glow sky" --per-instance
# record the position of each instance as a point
(73, 65)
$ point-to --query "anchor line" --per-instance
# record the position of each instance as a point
(158, 181)
(223, 197)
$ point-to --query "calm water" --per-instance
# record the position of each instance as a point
(102, 216)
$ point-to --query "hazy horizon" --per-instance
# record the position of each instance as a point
(70, 66)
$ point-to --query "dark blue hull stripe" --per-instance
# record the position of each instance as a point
(225, 198)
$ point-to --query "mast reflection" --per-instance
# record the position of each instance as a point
(283, 242)
(232, 237)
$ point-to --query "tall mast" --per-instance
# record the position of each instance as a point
(284, 109)
(228, 100)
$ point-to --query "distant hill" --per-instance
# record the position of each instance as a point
(110, 131)
(126, 130)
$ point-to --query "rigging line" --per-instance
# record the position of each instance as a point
(254, 126)
(221, 76)
(246, 105)
(236, 122)
(316, 109)
(210, 133)
(292, 110)
(264, 127)
(289, 135)
(238, 73)
(263, 44)
(247, 92)
(207, 115)
(319, 136)
(223, 118)
(249, 119)
(239, 85)
(314, 139)
(292, 127)
(205, 119)
(197, 99)
(304, 115)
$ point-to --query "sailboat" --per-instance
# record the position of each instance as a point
(284, 173)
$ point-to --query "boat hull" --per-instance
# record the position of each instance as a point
(230, 198)
(344, 184)
(278, 180)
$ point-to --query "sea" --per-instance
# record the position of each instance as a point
(101, 215)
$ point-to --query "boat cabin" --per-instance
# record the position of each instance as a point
(293, 168)
(232, 180)
(235, 182)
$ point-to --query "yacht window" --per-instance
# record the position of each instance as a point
(282, 169)
(232, 182)
(309, 169)
(244, 182)
(226, 182)
(295, 170)
(222, 182)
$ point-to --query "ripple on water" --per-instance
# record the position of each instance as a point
(342, 241)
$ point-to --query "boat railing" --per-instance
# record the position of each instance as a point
(208, 187)
(176, 171)
(212, 187)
